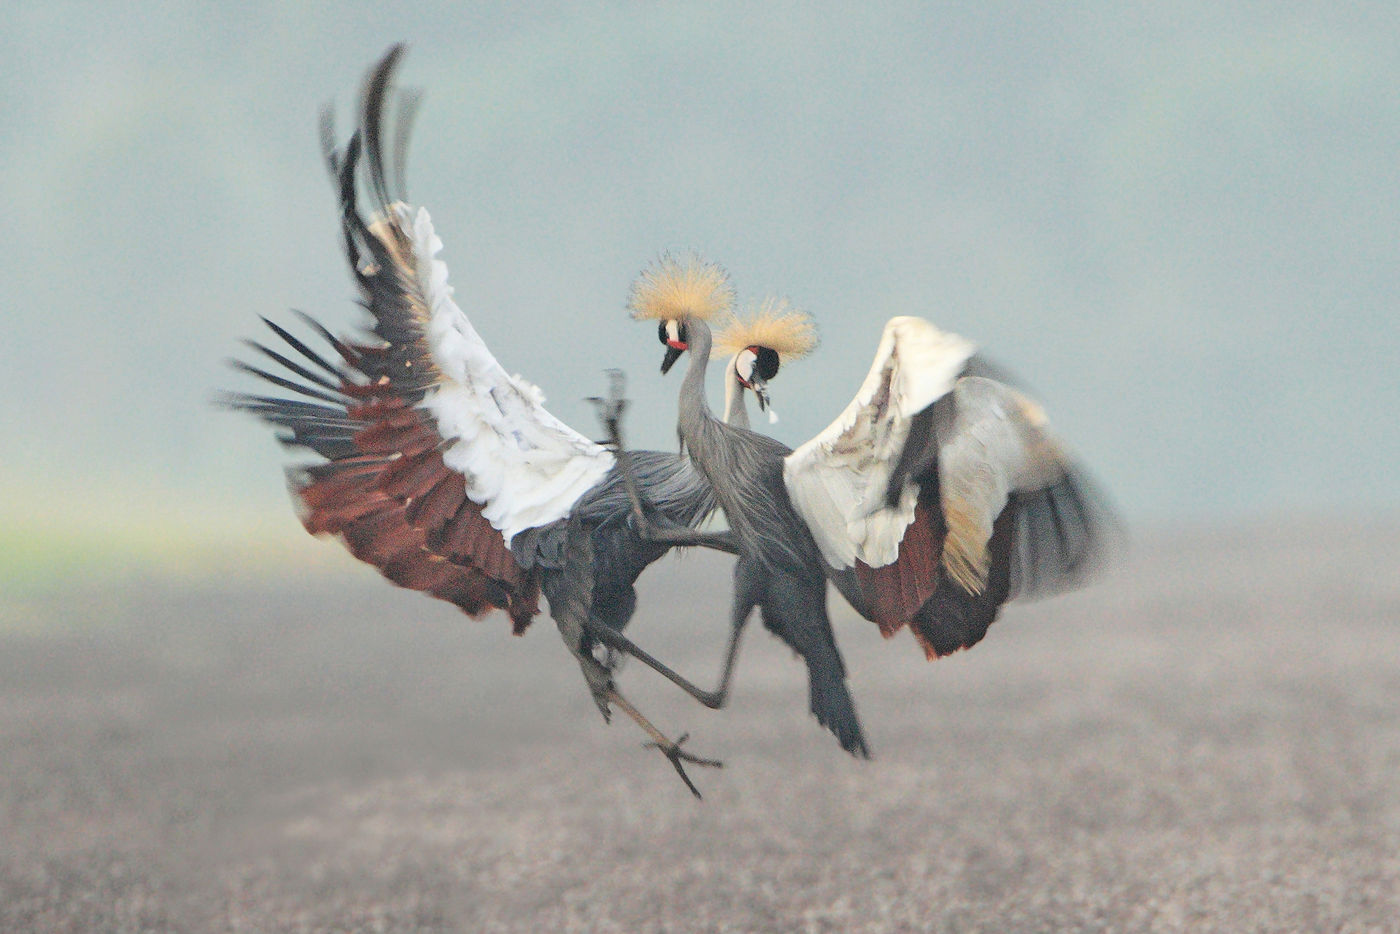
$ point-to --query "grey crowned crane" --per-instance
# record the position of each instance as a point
(443, 471)
(935, 497)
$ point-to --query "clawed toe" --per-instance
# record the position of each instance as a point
(677, 756)
(674, 751)
(611, 407)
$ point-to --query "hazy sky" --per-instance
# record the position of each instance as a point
(1178, 223)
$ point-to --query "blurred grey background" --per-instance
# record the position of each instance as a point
(1177, 223)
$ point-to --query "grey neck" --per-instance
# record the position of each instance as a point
(736, 409)
(694, 410)
(693, 389)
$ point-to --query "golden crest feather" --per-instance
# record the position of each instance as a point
(683, 287)
(775, 324)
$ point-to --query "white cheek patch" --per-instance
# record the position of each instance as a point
(673, 331)
(743, 365)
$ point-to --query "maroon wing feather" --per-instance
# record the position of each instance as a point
(915, 590)
(383, 487)
(893, 594)
(395, 504)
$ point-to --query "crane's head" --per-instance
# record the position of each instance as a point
(676, 337)
(672, 291)
(759, 341)
(755, 366)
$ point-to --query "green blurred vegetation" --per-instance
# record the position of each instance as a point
(40, 556)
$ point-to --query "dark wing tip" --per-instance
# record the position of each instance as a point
(1066, 534)
(329, 151)
(409, 102)
(229, 400)
(377, 85)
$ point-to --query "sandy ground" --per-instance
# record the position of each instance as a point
(1209, 740)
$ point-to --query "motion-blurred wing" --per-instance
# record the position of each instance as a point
(1021, 518)
(435, 456)
(939, 494)
(997, 461)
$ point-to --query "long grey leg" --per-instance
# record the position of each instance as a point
(712, 699)
(605, 694)
(671, 750)
(682, 537)
(745, 599)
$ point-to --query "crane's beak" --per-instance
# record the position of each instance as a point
(760, 391)
(759, 385)
(673, 353)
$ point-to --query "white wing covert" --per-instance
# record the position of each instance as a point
(523, 465)
(837, 481)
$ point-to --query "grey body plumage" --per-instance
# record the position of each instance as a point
(617, 553)
(779, 568)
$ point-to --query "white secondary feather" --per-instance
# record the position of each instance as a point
(521, 463)
(837, 480)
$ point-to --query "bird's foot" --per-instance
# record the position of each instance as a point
(678, 756)
(610, 411)
(611, 407)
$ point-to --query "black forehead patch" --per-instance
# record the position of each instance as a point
(765, 364)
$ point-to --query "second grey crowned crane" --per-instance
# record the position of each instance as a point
(935, 497)
(779, 568)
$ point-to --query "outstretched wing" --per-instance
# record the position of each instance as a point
(838, 480)
(435, 457)
(938, 494)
